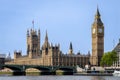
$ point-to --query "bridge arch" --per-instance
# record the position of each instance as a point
(13, 68)
(65, 70)
(43, 70)
(16, 69)
(32, 70)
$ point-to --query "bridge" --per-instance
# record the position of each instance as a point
(45, 70)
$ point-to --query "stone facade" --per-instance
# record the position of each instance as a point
(47, 55)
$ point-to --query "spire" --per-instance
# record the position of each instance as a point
(46, 37)
(58, 45)
(98, 13)
(39, 31)
(27, 32)
(88, 53)
(70, 49)
(70, 46)
(46, 43)
(9, 57)
(9, 54)
(97, 17)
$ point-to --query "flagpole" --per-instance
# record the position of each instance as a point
(33, 24)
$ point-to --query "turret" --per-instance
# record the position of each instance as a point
(27, 33)
(17, 54)
(70, 49)
(33, 42)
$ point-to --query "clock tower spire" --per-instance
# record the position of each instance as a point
(97, 40)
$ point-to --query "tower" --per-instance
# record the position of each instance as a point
(70, 49)
(33, 43)
(97, 40)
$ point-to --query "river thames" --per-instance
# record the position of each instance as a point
(59, 78)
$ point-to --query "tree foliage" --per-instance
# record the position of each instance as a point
(108, 58)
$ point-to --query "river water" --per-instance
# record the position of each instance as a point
(59, 78)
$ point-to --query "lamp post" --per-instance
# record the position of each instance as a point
(23, 70)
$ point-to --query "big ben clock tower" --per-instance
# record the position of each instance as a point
(97, 40)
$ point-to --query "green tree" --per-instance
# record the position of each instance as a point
(108, 58)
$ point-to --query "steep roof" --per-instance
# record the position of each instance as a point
(117, 48)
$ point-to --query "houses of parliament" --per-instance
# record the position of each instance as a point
(51, 55)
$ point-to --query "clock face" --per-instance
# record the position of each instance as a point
(100, 30)
(93, 30)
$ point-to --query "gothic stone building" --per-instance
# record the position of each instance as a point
(49, 55)
(117, 49)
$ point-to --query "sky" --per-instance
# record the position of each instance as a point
(65, 21)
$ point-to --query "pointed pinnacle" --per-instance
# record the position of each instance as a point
(46, 37)
(97, 13)
(70, 45)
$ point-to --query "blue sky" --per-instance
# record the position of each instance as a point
(65, 20)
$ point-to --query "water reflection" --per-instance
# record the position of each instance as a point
(97, 78)
(73, 77)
